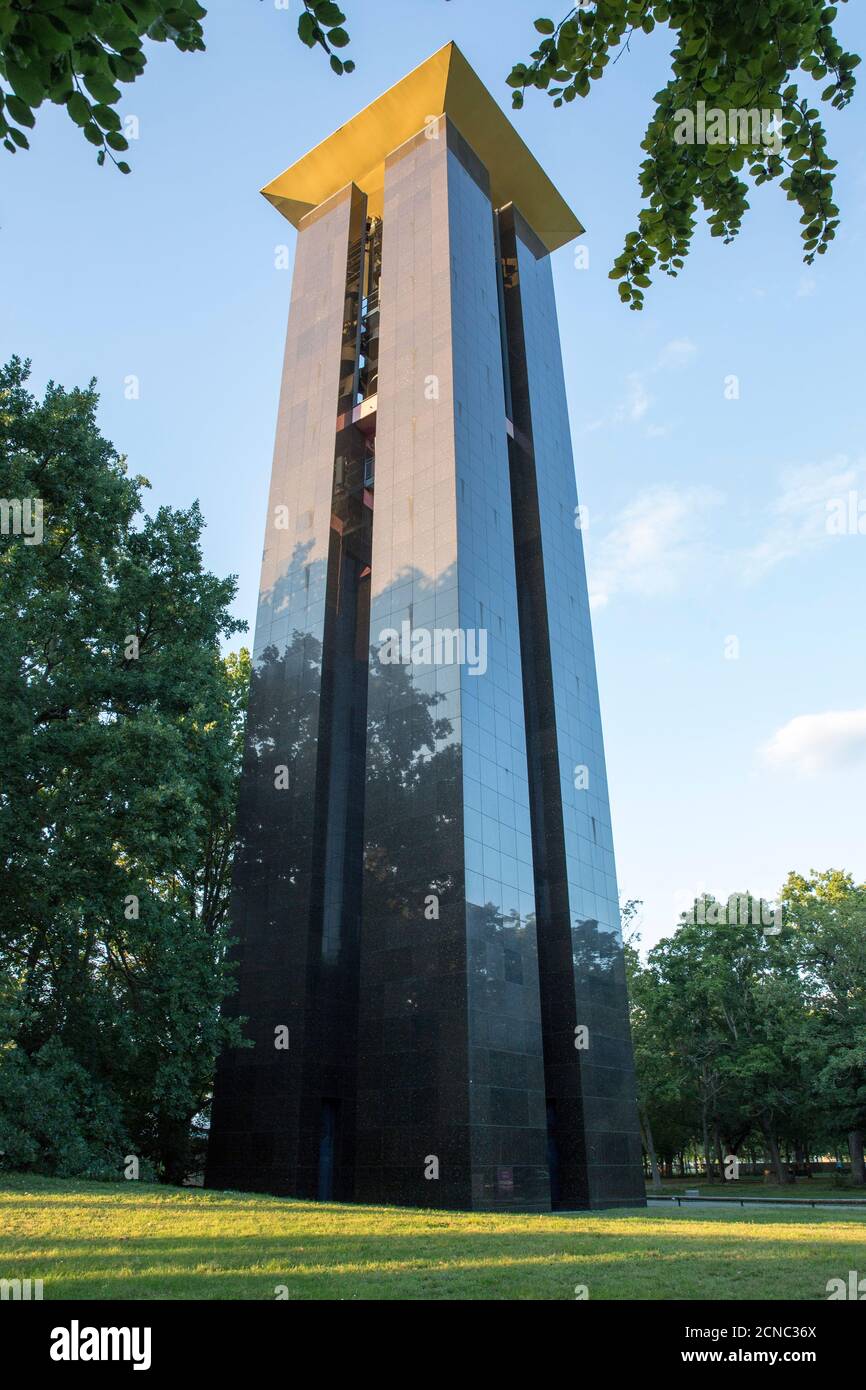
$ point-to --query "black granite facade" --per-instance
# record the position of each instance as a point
(594, 1135)
(425, 902)
(283, 1111)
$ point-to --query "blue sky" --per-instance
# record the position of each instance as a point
(707, 516)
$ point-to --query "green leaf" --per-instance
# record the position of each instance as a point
(307, 29)
(78, 108)
(20, 111)
(338, 37)
(106, 117)
(328, 13)
(101, 88)
(25, 83)
(50, 33)
(545, 26)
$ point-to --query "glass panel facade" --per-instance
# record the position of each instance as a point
(592, 1113)
(293, 913)
(425, 901)
(451, 1090)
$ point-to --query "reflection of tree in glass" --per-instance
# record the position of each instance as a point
(412, 765)
(282, 729)
(597, 950)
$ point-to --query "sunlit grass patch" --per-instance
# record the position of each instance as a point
(96, 1240)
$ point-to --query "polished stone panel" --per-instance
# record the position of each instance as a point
(450, 1063)
(590, 1088)
(296, 903)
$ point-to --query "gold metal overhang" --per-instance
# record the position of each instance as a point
(444, 85)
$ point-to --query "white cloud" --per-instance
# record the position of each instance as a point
(637, 400)
(677, 353)
(652, 544)
(813, 743)
(798, 518)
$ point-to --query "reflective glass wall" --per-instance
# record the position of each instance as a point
(595, 1146)
(425, 905)
(283, 1108)
(451, 1102)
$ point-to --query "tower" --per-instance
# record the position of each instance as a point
(425, 905)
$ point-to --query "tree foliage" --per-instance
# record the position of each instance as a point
(76, 53)
(744, 1036)
(118, 775)
(830, 910)
(321, 23)
(735, 56)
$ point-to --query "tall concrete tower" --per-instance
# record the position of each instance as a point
(428, 950)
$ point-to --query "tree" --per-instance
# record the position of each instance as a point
(732, 65)
(118, 774)
(653, 1076)
(737, 57)
(830, 910)
(75, 54)
(723, 1003)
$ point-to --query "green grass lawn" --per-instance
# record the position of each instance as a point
(97, 1240)
(803, 1189)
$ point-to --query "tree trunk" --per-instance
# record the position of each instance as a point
(775, 1157)
(855, 1148)
(708, 1157)
(650, 1148)
(720, 1157)
(173, 1141)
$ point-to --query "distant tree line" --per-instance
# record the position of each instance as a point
(750, 1036)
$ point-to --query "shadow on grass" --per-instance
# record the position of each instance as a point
(99, 1241)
